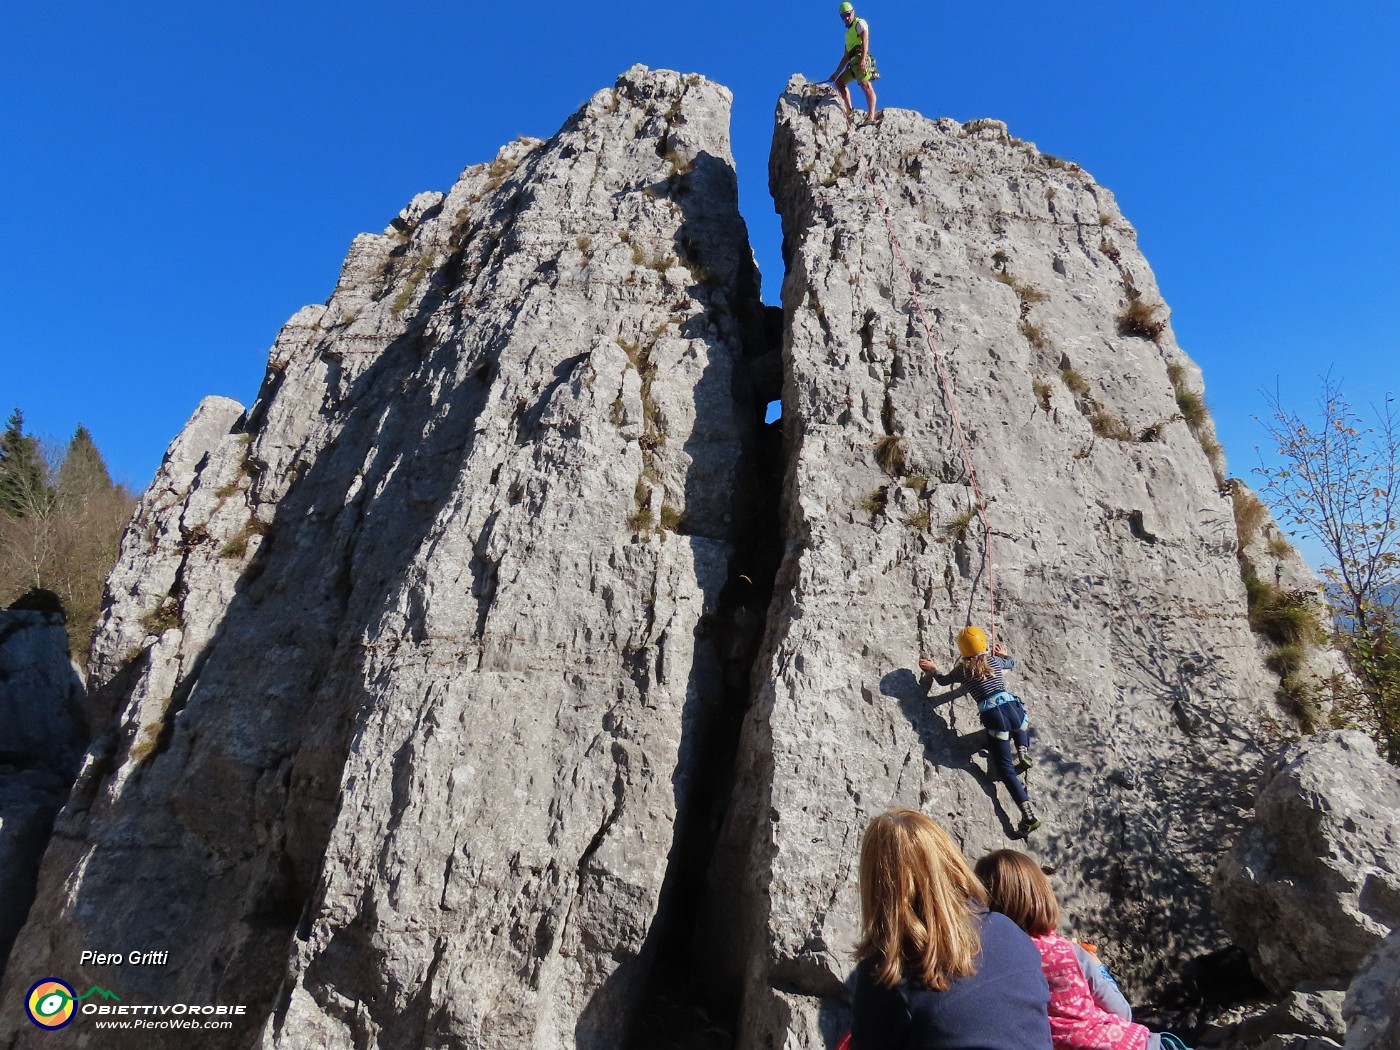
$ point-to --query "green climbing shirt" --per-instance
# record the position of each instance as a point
(858, 27)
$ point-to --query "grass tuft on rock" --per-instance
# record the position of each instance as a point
(889, 453)
(875, 502)
(1140, 318)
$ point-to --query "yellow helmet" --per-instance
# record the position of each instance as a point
(971, 641)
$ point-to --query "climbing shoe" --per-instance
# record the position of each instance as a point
(1028, 819)
(1023, 759)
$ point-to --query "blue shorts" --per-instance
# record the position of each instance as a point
(1005, 718)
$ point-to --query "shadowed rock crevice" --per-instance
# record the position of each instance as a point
(684, 1007)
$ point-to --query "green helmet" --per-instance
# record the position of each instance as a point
(847, 7)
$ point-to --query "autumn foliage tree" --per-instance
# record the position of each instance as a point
(61, 520)
(1338, 480)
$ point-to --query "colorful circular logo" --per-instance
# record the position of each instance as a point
(51, 1003)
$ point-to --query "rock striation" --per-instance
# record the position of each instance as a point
(493, 681)
(407, 672)
(1111, 557)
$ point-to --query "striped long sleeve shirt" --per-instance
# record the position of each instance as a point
(980, 688)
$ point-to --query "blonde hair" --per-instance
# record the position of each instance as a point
(1018, 889)
(916, 896)
(978, 665)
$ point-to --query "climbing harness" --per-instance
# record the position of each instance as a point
(948, 399)
(996, 700)
(855, 68)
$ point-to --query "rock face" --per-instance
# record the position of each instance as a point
(1112, 555)
(1297, 1018)
(1372, 1006)
(436, 697)
(1312, 886)
(408, 671)
(42, 736)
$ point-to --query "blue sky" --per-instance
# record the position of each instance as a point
(177, 179)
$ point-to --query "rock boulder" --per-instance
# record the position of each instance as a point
(1372, 1006)
(1312, 885)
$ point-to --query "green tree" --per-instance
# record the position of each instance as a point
(26, 504)
(1338, 480)
(83, 473)
(62, 537)
(24, 475)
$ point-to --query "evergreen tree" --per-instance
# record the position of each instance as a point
(61, 539)
(83, 474)
(24, 487)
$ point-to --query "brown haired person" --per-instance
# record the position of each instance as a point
(1087, 1011)
(937, 970)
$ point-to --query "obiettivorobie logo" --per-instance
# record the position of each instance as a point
(51, 1003)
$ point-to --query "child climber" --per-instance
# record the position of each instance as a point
(1087, 1011)
(1001, 711)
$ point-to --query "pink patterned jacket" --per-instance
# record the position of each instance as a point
(1076, 1021)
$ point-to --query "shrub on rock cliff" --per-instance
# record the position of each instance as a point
(1140, 319)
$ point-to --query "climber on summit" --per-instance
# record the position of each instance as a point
(1000, 710)
(856, 63)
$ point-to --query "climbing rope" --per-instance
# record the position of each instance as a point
(949, 401)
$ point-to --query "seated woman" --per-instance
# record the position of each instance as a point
(1087, 1011)
(937, 970)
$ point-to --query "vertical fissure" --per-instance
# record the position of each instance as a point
(678, 1010)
